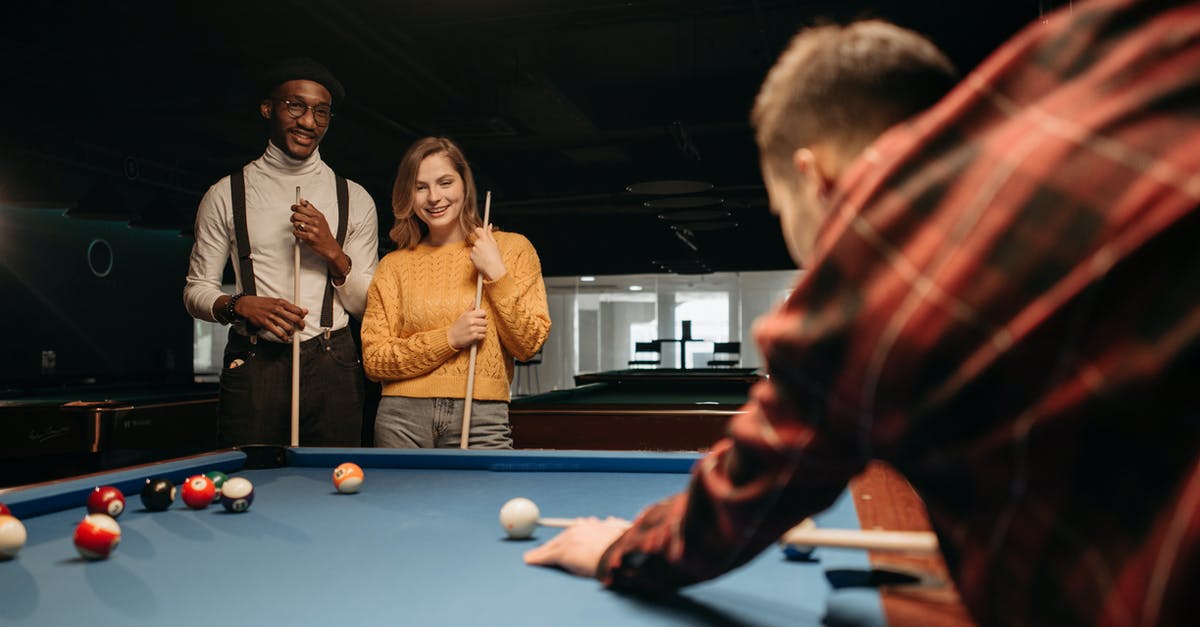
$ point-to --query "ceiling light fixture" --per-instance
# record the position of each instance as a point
(693, 215)
(683, 202)
(708, 225)
(669, 188)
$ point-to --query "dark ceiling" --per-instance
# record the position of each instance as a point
(560, 106)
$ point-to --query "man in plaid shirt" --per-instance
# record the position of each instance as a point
(1003, 302)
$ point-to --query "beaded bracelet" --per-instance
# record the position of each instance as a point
(231, 313)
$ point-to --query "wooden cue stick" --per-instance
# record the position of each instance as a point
(808, 535)
(870, 540)
(465, 436)
(296, 341)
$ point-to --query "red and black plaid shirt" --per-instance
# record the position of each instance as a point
(1005, 306)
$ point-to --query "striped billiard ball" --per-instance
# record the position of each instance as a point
(237, 494)
(96, 536)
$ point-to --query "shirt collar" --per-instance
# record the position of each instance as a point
(276, 158)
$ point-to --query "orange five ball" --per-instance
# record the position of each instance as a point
(347, 478)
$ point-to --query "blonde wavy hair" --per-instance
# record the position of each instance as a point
(409, 229)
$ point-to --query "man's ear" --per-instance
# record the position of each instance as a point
(818, 166)
(264, 108)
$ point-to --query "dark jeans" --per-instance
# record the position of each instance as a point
(256, 391)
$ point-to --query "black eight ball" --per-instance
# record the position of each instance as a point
(158, 494)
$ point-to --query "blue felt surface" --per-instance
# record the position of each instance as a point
(414, 547)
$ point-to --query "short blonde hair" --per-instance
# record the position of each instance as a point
(846, 84)
(409, 229)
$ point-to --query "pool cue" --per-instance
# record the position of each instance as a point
(465, 436)
(567, 522)
(296, 341)
(807, 534)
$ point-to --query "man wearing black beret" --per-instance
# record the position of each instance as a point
(252, 219)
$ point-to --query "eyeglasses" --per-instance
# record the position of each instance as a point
(321, 113)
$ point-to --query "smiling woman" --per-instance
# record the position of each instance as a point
(421, 316)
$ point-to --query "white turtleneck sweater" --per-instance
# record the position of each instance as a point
(271, 182)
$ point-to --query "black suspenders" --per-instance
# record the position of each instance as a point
(343, 200)
(237, 184)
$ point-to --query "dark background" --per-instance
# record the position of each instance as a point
(123, 113)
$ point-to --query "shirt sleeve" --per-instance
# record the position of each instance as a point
(386, 355)
(362, 246)
(773, 469)
(519, 299)
(210, 253)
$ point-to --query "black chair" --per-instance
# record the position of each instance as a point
(646, 354)
(530, 374)
(726, 354)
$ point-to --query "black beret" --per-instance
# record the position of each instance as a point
(302, 68)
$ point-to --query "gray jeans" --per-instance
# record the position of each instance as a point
(404, 422)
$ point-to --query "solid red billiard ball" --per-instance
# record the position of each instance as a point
(4, 511)
(198, 491)
(158, 494)
(347, 478)
(96, 536)
(106, 500)
(12, 536)
(237, 494)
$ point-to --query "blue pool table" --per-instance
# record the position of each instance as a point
(419, 545)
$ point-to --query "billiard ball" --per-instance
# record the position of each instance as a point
(158, 494)
(12, 536)
(4, 511)
(218, 479)
(106, 500)
(798, 552)
(198, 491)
(237, 494)
(519, 517)
(96, 536)
(347, 478)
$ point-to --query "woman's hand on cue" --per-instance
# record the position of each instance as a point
(485, 254)
(469, 328)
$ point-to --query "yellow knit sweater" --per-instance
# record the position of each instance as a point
(417, 294)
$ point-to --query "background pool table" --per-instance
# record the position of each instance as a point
(660, 410)
(722, 379)
(51, 432)
(419, 545)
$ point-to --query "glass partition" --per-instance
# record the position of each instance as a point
(597, 321)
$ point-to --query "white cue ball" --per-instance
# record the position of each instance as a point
(519, 517)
